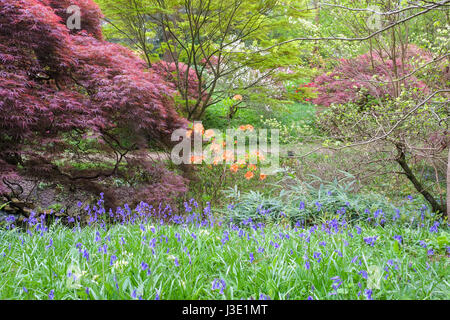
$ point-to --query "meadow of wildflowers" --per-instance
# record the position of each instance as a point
(152, 253)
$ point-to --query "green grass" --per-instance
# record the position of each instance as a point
(30, 267)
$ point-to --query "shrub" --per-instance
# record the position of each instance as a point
(368, 77)
(56, 83)
(305, 204)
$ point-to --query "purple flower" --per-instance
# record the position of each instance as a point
(51, 295)
(219, 284)
(225, 237)
(307, 265)
(50, 244)
(322, 243)
(251, 257)
(262, 296)
(319, 206)
(336, 282)
(363, 273)
(369, 294)
(302, 206)
(434, 228)
(316, 255)
(371, 240)
(398, 238)
(310, 298)
(338, 252)
(176, 262)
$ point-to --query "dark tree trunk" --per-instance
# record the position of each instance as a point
(401, 160)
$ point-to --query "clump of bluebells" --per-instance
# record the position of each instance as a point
(152, 253)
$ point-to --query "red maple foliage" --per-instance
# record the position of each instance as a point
(59, 85)
(355, 79)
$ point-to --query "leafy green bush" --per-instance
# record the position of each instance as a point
(307, 204)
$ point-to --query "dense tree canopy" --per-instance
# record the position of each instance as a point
(58, 85)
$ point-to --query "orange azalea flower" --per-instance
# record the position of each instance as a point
(234, 168)
(252, 167)
(216, 148)
(262, 176)
(249, 175)
(243, 128)
(197, 159)
(237, 97)
(188, 133)
(217, 160)
(258, 155)
(228, 155)
(198, 128)
(249, 127)
(209, 133)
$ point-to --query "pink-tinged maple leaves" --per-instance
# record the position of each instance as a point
(56, 83)
(370, 73)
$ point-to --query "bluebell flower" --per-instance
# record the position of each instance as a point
(369, 294)
(112, 260)
(423, 244)
(307, 265)
(319, 206)
(219, 284)
(51, 295)
(338, 252)
(86, 254)
(50, 244)
(371, 240)
(435, 226)
(316, 255)
(337, 282)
